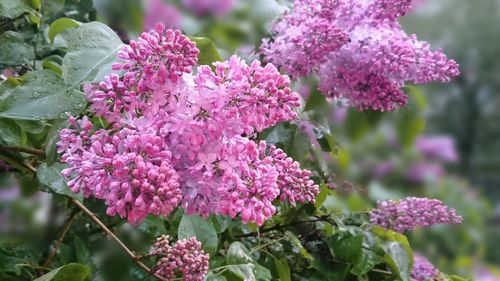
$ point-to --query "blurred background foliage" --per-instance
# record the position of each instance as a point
(359, 157)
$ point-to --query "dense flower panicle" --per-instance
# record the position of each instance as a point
(215, 7)
(423, 269)
(305, 38)
(159, 11)
(358, 49)
(185, 257)
(295, 182)
(185, 141)
(158, 56)
(131, 170)
(412, 212)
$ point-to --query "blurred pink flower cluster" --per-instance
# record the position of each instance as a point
(177, 138)
(358, 50)
(215, 7)
(423, 269)
(412, 212)
(184, 256)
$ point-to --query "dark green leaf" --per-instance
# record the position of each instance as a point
(14, 51)
(52, 178)
(91, 51)
(29, 185)
(69, 272)
(202, 229)
(262, 273)
(41, 96)
(365, 262)
(208, 51)
(346, 247)
(10, 133)
(220, 223)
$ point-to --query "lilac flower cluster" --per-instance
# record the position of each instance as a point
(181, 139)
(412, 212)
(440, 148)
(160, 11)
(185, 256)
(423, 269)
(358, 50)
(216, 7)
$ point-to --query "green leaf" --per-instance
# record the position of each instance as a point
(221, 223)
(213, 277)
(322, 195)
(11, 8)
(52, 7)
(346, 247)
(359, 123)
(29, 185)
(52, 178)
(14, 50)
(295, 241)
(409, 127)
(41, 96)
(283, 269)
(238, 254)
(82, 251)
(398, 253)
(240, 272)
(208, 51)
(240, 262)
(202, 229)
(365, 262)
(262, 273)
(69, 272)
(10, 133)
(91, 51)
(61, 25)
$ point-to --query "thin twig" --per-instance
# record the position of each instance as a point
(28, 150)
(60, 240)
(131, 254)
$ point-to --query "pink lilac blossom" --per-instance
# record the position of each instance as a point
(412, 212)
(441, 148)
(185, 257)
(486, 274)
(176, 138)
(421, 172)
(358, 50)
(216, 7)
(423, 269)
(159, 11)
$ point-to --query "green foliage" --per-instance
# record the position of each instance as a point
(69, 272)
(208, 51)
(91, 51)
(41, 95)
(202, 229)
(14, 50)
